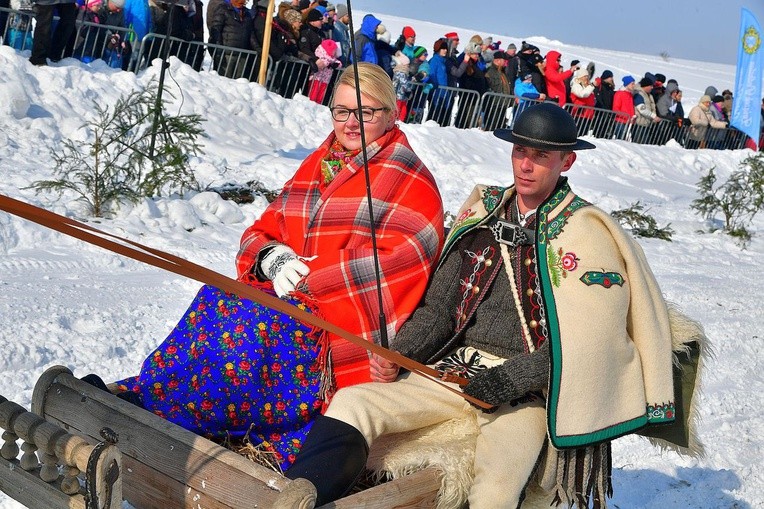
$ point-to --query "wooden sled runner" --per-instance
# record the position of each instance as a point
(159, 464)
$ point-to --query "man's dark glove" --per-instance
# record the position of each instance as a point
(335, 65)
(493, 385)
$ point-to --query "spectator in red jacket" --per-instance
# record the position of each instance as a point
(555, 77)
(623, 102)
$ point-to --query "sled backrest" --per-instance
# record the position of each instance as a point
(68, 462)
(164, 465)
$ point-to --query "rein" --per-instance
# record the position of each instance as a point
(183, 267)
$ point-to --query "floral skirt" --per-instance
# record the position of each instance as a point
(232, 364)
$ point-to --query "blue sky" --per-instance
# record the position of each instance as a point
(701, 30)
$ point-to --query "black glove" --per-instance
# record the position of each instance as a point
(313, 65)
(493, 385)
(335, 65)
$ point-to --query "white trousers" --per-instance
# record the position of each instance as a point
(507, 447)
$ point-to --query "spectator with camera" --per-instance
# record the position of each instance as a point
(670, 108)
(555, 77)
(528, 61)
(582, 94)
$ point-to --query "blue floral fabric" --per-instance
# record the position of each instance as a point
(231, 364)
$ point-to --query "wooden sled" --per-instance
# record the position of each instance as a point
(163, 466)
(156, 464)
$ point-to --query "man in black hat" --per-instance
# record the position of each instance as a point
(548, 308)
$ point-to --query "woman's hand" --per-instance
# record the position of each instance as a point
(284, 268)
(382, 370)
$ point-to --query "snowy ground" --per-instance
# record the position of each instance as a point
(65, 302)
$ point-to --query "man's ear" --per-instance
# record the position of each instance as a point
(568, 161)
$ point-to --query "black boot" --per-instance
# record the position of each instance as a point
(97, 382)
(333, 458)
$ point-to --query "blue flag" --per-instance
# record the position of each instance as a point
(746, 109)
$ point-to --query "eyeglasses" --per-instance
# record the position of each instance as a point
(341, 114)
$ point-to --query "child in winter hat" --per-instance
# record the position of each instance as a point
(327, 52)
(402, 83)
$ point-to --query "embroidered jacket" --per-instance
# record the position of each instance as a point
(599, 309)
(333, 226)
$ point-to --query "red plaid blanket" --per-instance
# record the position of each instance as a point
(333, 226)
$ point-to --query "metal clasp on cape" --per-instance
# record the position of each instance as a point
(510, 234)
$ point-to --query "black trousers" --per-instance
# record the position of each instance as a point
(47, 45)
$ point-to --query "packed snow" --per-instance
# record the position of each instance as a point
(66, 302)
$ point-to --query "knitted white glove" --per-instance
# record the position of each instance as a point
(284, 268)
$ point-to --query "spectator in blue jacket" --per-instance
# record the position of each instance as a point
(525, 89)
(341, 32)
(138, 18)
(440, 100)
(365, 39)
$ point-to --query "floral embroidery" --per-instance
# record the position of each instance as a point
(464, 218)
(558, 223)
(560, 264)
(660, 413)
(546, 208)
(337, 158)
(491, 197)
(233, 368)
(604, 279)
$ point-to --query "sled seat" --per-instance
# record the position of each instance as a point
(167, 466)
(68, 473)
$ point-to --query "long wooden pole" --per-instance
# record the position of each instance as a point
(266, 43)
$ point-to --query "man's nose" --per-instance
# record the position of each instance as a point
(526, 164)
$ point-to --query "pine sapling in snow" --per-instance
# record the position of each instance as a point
(113, 163)
(738, 199)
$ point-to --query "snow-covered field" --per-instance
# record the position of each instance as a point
(65, 302)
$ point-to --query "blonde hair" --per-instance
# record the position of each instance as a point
(374, 83)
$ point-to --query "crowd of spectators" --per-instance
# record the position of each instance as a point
(316, 33)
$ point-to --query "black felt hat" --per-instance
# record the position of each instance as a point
(544, 126)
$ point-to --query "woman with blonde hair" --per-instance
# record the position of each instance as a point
(233, 367)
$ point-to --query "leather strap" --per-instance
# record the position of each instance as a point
(183, 267)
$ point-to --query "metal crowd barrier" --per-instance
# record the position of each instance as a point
(106, 42)
(16, 28)
(229, 62)
(497, 110)
(287, 77)
(416, 105)
(453, 106)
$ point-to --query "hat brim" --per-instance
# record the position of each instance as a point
(508, 135)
